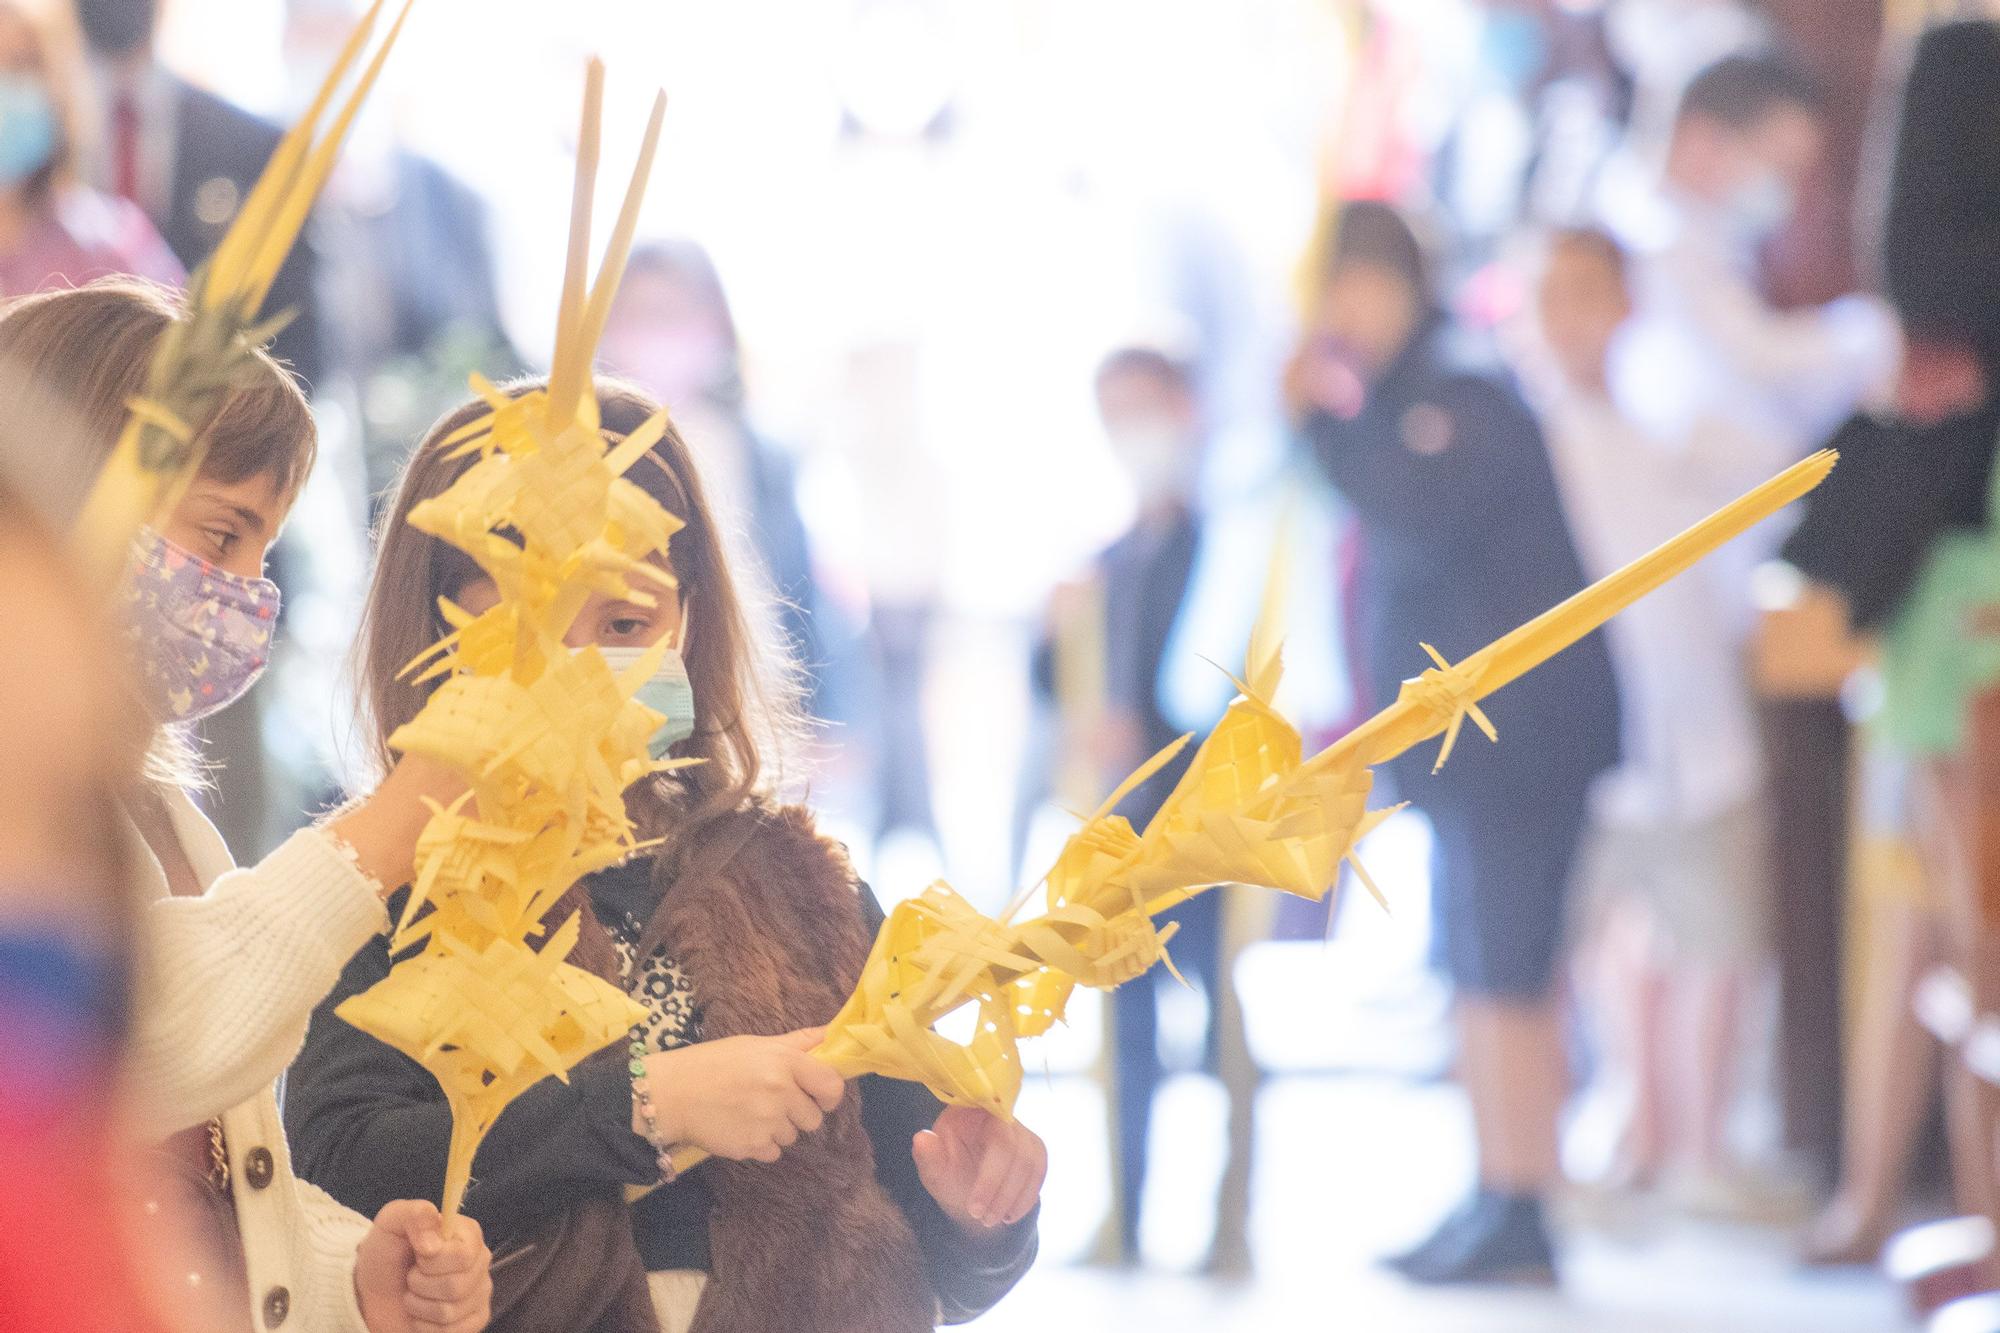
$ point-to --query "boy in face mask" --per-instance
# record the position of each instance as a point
(1706, 346)
(1152, 421)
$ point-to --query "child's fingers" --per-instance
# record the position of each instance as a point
(1024, 1186)
(820, 1081)
(462, 1249)
(994, 1165)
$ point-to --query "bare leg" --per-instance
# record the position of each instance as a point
(1948, 819)
(1892, 1064)
(1517, 1078)
(1636, 998)
(1713, 1002)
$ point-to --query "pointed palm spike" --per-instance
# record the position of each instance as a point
(612, 269)
(298, 202)
(634, 446)
(1450, 740)
(571, 368)
(1367, 882)
(1141, 773)
(1264, 664)
(1124, 789)
(227, 269)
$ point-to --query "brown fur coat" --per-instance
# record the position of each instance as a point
(774, 941)
(764, 917)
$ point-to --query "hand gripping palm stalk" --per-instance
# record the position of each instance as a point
(1251, 809)
(200, 359)
(546, 739)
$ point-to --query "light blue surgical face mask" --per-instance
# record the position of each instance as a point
(27, 128)
(668, 692)
(1761, 206)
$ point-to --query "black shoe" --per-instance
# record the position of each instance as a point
(1445, 1239)
(1494, 1238)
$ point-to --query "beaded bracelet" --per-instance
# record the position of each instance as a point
(642, 1093)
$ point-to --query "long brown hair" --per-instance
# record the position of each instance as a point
(71, 362)
(746, 698)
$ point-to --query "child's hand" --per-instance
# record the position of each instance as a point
(411, 1275)
(983, 1171)
(745, 1098)
(382, 830)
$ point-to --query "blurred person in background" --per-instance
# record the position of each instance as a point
(1664, 44)
(68, 917)
(1675, 865)
(407, 283)
(1706, 349)
(1464, 538)
(232, 959)
(53, 229)
(1139, 586)
(1544, 105)
(1912, 480)
(185, 156)
(672, 333)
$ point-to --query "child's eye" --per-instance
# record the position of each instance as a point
(223, 540)
(623, 627)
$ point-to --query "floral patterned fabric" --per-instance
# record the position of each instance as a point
(200, 635)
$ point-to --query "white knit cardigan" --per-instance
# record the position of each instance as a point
(227, 983)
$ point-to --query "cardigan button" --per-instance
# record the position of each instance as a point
(277, 1304)
(258, 1168)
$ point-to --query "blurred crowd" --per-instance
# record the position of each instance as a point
(1568, 285)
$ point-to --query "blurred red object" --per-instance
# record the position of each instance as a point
(1938, 381)
(1940, 1264)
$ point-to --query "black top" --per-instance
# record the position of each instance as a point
(369, 1125)
(1145, 576)
(1869, 526)
(1463, 538)
(219, 151)
(1941, 235)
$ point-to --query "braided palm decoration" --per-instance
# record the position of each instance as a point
(1251, 809)
(547, 740)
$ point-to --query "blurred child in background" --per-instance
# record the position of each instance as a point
(1675, 864)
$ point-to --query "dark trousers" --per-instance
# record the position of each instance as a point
(1137, 1069)
(1806, 747)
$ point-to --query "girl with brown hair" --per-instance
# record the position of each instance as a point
(229, 961)
(883, 1212)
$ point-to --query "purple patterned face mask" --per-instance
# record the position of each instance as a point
(201, 635)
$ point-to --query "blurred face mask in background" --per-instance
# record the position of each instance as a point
(682, 364)
(1160, 455)
(27, 128)
(1760, 206)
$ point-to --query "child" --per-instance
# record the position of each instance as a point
(882, 1211)
(1151, 418)
(233, 960)
(1677, 857)
(1463, 538)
